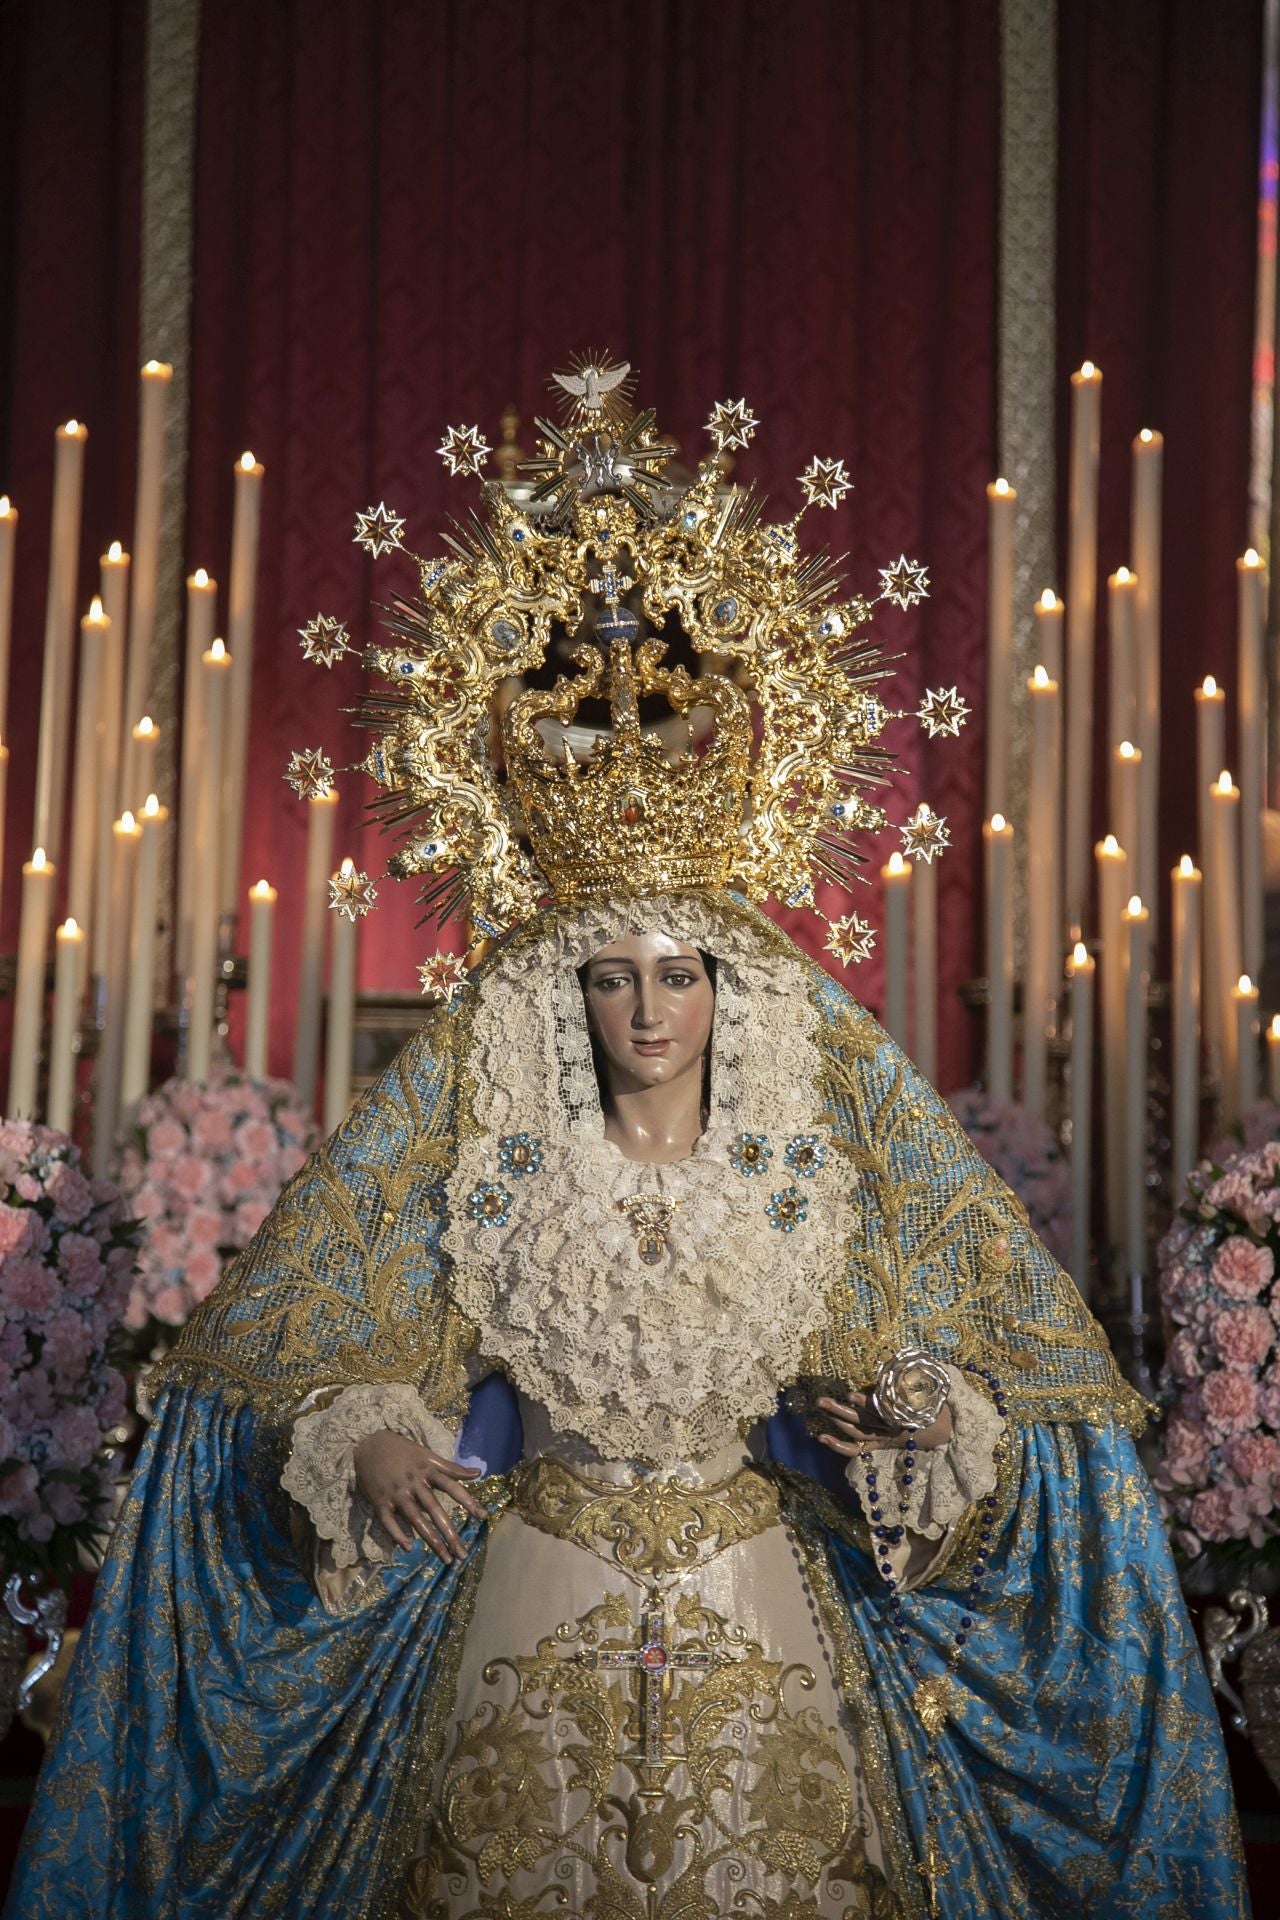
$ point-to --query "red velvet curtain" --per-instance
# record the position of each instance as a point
(1159, 115)
(406, 216)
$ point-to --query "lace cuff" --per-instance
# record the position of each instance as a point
(320, 1474)
(947, 1481)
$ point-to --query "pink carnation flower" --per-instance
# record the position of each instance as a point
(1211, 1514)
(1185, 1454)
(1184, 1359)
(69, 1191)
(1253, 1456)
(1230, 1402)
(203, 1273)
(16, 1227)
(1243, 1336)
(1242, 1268)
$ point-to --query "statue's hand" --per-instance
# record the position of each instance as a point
(856, 1428)
(402, 1482)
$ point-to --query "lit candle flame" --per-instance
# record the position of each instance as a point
(1079, 954)
(1251, 558)
(248, 462)
(1040, 676)
(218, 650)
(1087, 370)
(95, 609)
(126, 822)
(70, 927)
(1123, 576)
(1111, 845)
(151, 805)
(200, 577)
(1146, 436)
(261, 891)
(1126, 750)
(1273, 1031)
(1134, 907)
(1210, 688)
(997, 823)
(115, 552)
(348, 867)
(146, 725)
(1002, 486)
(1244, 984)
(1186, 865)
(1049, 600)
(896, 863)
(1225, 782)
(4, 506)
(72, 427)
(38, 860)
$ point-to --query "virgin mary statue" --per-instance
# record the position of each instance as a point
(645, 1467)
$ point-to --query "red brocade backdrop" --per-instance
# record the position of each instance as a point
(406, 215)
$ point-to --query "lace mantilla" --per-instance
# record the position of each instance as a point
(650, 1308)
(320, 1472)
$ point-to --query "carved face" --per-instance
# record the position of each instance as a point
(650, 1004)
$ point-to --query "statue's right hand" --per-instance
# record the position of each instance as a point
(403, 1482)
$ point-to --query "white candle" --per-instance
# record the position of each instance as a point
(1251, 600)
(1082, 972)
(1273, 1058)
(1148, 463)
(202, 606)
(8, 544)
(1211, 707)
(322, 812)
(1113, 890)
(126, 839)
(1049, 612)
(895, 877)
(1082, 578)
(215, 666)
(145, 738)
(1125, 798)
(86, 790)
(1187, 890)
(155, 381)
(342, 1012)
(1043, 955)
(262, 908)
(244, 570)
(68, 968)
(1002, 500)
(38, 876)
(59, 633)
(1134, 920)
(1244, 999)
(1122, 588)
(997, 837)
(1223, 905)
(924, 934)
(140, 1006)
(114, 593)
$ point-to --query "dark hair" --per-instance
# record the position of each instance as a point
(601, 1065)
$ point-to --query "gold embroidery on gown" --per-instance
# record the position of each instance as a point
(646, 1725)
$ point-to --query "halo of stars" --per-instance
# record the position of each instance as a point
(942, 712)
(850, 939)
(825, 483)
(905, 582)
(732, 424)
(324, 640)
(464, 450)
(310, 773)
(352, 893)
(444, 974)
(378, 530)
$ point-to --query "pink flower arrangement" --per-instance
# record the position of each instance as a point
(202, 1166)
(1026, 1155)
(67, 1251)
(1219, 1471)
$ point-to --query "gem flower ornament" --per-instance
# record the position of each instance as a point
(203, 1164)
(67, 1249)
(1219, 1471)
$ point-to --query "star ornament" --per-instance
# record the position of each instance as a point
(443, 975)
(378, 530)
(310, 774)
(925, 834)
(464, 450)
(851, 939)
(904, 582)
(324, 640)
(942, 712)
(351, 892)
(825, 483)
(732, 424)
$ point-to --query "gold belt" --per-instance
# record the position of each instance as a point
(647, 1527)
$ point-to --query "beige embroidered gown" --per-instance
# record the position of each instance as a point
(645, 1720)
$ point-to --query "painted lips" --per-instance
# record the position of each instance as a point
(651, 1046)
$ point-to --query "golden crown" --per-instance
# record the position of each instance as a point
(505, 793)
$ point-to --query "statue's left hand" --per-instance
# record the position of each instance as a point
(855, 1427)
